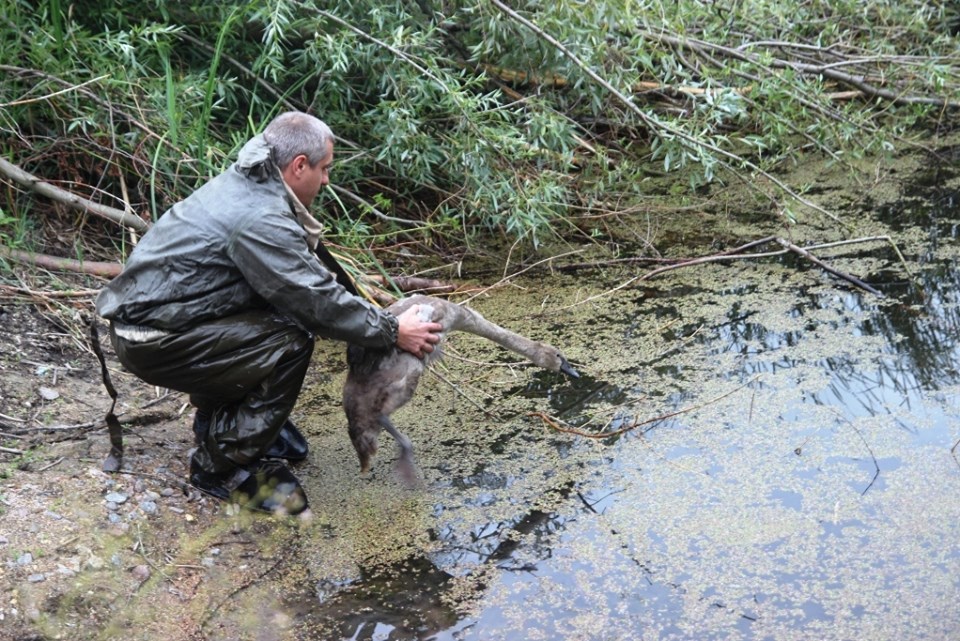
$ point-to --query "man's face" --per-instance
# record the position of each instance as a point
(306, 181)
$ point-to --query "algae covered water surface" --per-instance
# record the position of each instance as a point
(786, 467)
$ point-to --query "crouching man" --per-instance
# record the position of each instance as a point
(221, 299)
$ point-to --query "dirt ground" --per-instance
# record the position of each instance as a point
(82, 551)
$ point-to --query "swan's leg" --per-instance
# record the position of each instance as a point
(406, 468)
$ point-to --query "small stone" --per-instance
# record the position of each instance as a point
(151, 495)
(63, 570)
(175, 509)
(48, 393)
(25, 559)
(189, 518)
(148, 507)
(111, 506)
(206, 562)
(116, 497)
(215, 552)
(4, 540)
(167, 492)
(36, 578)
(141, 572)
(53, 515)
(113, 517)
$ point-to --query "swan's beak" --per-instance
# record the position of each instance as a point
(566, 369)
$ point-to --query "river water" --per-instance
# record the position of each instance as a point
(787, 469)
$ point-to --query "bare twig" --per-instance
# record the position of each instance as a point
(27, 101)
(46, 295)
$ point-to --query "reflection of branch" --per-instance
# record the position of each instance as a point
(876, 465)
(255, 580)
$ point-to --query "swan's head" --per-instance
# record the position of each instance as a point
(567, 369)
(549, 357)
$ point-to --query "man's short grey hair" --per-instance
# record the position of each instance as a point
(294, 133)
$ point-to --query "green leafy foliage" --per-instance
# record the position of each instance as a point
(455, 115)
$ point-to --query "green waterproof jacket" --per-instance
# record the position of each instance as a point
(232, 246)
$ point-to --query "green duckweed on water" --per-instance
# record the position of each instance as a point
(803, 486)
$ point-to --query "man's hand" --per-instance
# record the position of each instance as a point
(416, 336)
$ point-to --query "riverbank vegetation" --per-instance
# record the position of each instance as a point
(457, 120)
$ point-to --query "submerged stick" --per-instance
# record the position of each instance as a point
(554, 423)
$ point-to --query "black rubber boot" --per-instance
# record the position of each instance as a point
(291, 445)
(265, 486)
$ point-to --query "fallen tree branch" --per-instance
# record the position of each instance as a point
(35, 184)
(92, 267)
(10, 69)
(819, 263)
(27, 101)
(738, 253)
(556, 80)
(409, 284)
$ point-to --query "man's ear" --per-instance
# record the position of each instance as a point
(300, 163)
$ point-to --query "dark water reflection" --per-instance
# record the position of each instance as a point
(918, 330)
